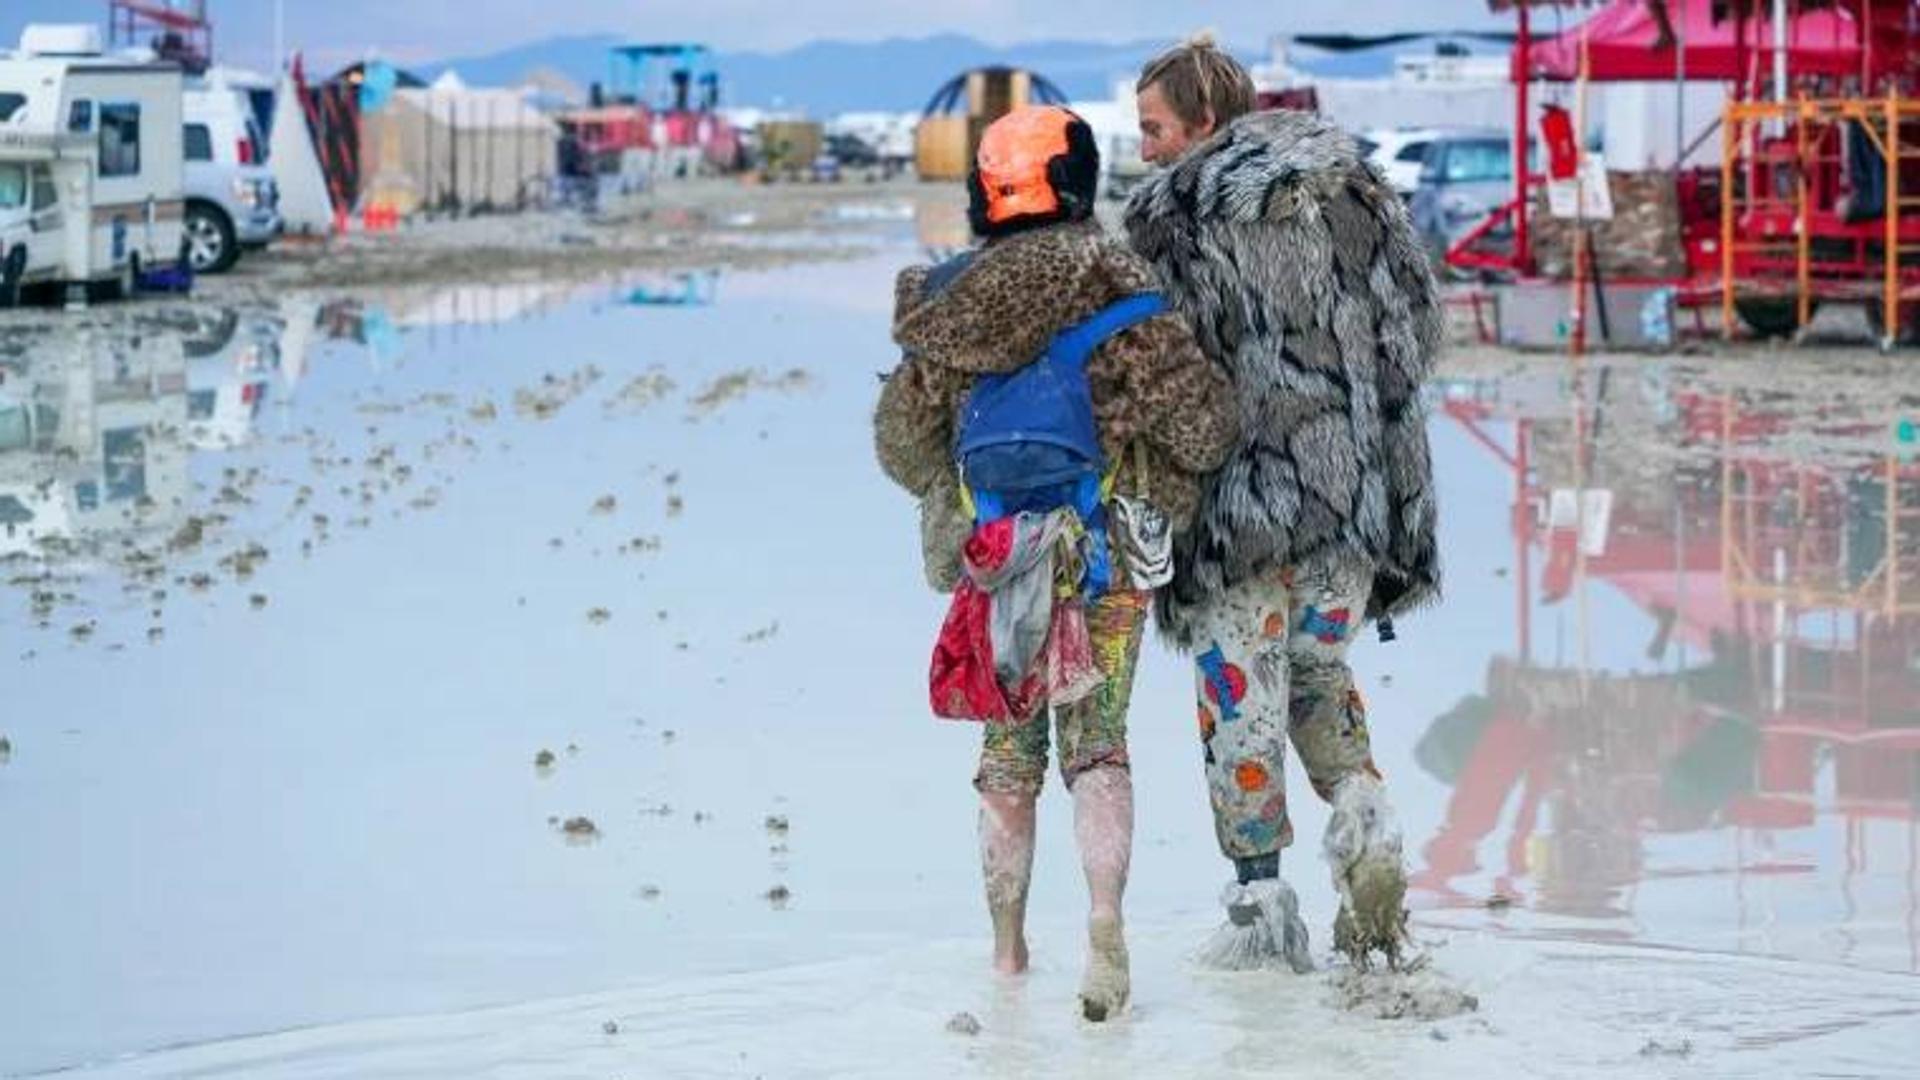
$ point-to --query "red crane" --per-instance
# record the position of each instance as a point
(176, 30)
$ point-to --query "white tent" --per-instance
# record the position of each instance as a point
(305, 206)
(456, 144)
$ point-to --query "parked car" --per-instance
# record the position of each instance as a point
(852, 152)
(232, 201)
(1400, 153)
(1464, 176)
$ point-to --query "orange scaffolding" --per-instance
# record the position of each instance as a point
(1783, 237)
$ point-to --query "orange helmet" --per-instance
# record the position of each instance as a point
(1036, 165)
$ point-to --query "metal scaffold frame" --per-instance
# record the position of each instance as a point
(1778, 196)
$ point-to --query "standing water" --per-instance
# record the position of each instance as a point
(530, 682)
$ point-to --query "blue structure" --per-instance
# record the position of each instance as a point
(664, 78)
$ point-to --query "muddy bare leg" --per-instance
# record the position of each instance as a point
(1103, 826)
(1006, 862)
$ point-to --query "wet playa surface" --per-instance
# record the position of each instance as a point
(402, 654)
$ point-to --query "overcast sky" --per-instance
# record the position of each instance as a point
(411, 30)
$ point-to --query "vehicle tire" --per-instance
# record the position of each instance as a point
(127, 286)
(1772, 317)
(212, 246)
(206, 333)
(10, 273)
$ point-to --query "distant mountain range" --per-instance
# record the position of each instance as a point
(828, 77)
(898, 74)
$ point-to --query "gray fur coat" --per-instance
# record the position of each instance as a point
(1300, 272)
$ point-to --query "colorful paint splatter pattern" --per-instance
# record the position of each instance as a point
(1292, 630)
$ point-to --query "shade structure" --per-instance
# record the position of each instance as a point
(1624, 44)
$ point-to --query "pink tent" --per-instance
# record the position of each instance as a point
(1622, 40)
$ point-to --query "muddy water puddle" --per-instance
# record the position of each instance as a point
(1695, 721)
(290, 597)
(416, 652)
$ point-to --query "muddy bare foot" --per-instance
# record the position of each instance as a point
(1011, 959)
(1109, 982)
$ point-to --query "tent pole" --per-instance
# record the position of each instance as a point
(1522, 181)
(1780, 51)
(1680, 94)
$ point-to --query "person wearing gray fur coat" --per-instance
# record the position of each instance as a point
(1299, 271)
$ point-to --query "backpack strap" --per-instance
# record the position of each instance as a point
(1076, 343)
(942, 274)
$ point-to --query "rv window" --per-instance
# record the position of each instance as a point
(120, 139)
(13, 185)
(197, 143)
(10, 104)
(80, 116)
(44, 193)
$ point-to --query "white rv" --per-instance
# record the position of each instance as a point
(90, 163)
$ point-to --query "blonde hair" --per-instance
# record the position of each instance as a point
(1200, 81)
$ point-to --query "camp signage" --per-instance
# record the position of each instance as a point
(29, 140)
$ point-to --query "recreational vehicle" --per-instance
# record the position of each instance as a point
(90, 163)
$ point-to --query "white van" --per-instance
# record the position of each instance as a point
(232, 201)
(90, 163)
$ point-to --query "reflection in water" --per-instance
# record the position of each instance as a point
(90, 439)
(1769, 731)
(97, 425)
(691, 288)
(942, 229)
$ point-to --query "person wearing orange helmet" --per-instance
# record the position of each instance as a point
(1301, 274)
(1045, 391)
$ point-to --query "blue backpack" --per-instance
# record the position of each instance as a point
(1027, 441)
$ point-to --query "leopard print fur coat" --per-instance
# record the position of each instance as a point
(1157, 399)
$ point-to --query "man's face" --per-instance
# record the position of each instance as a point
(1163, 135)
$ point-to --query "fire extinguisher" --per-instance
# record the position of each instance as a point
(1556, 130)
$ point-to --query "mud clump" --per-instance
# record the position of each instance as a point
(580, 830)
(641, 391)
(605, 504)
(553, 394)
(244, 562)
(1678, 1048)
(190, 533)
(765, 633)
(1392, 995)
(964, 1023)
(738, 384)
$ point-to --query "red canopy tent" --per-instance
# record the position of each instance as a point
(1625, 43)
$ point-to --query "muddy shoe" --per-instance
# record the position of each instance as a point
(1263, 930)
(1363, 851)
(1108, 983)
